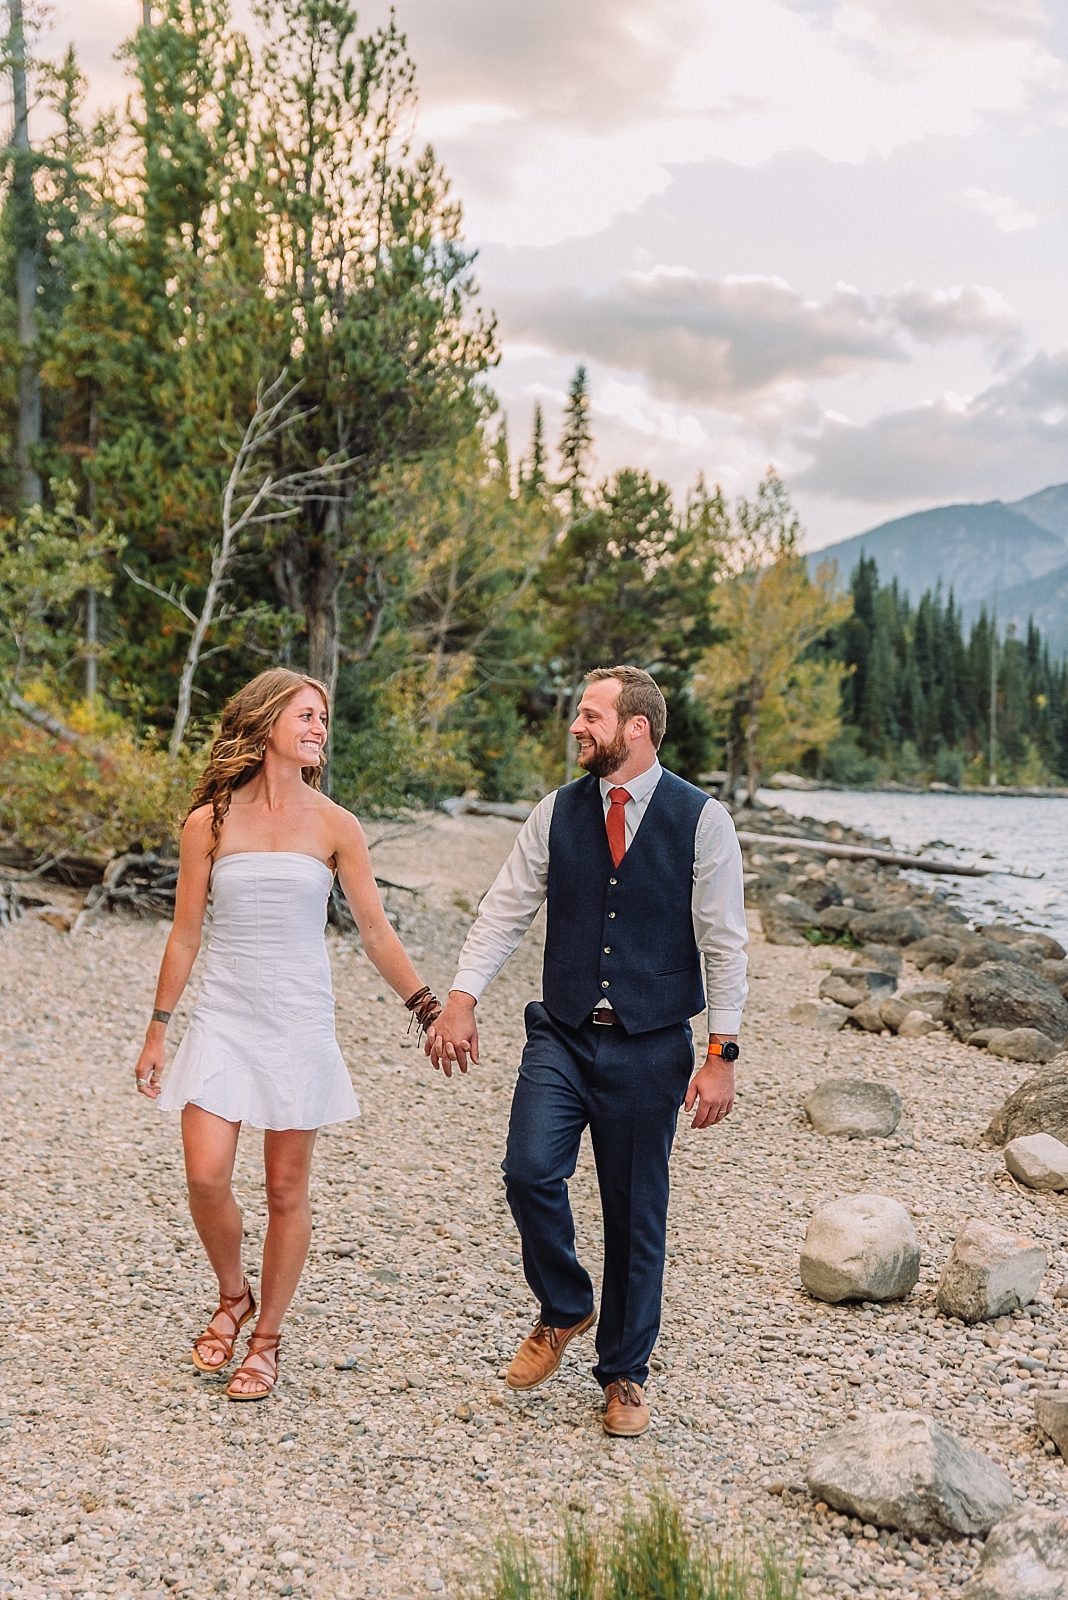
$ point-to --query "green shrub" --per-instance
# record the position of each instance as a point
(649, 1554)
(92, 797)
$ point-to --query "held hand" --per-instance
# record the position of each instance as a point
(150, 1065)
(712, 1092)
(454, 1036)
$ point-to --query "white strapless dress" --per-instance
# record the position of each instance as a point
(260, 1046)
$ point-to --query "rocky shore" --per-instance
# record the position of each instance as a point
(392, 1453)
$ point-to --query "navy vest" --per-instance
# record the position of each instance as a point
(623, 934)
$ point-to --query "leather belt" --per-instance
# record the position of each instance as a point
(605, 1017)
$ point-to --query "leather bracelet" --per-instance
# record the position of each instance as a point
(161, 1016)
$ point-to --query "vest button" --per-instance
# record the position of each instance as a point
(613, 881)
(611, 914)
(604, 983)
(608, 949)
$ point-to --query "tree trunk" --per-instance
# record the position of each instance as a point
(322, 620)
(91, 621)
(25, 211)
(752, 728)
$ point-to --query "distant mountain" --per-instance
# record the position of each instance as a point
(1045, 600)
(1049, 508)
(1019, 551)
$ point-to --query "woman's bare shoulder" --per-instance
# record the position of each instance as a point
(197, 828)
(345, 829)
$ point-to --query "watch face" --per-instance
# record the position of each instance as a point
(730, 1051)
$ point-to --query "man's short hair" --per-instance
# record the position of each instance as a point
(639, 696)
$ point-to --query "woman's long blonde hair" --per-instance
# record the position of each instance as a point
(237, 752)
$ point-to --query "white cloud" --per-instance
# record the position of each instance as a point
(719, 341)
(596, 66)
(966, 22)
(1008, 215)
(1014, 433)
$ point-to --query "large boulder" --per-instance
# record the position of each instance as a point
(867, 1017)
(1020, 1044)
(871, 980)
(1038, 1106)
(879, 958)
(1005, 997)
(1005, 933)
(893, 1012)
(1038, 1160)
(818, 893)
(835, 919)
(1055, 972)
(929, 997)
(1025, 1558)
(989, 1273)
(854, 1108)
(935, 947)
(841, 992)
(810, 1014)
(901, 926)
(917, 1025)
(862, 1247)
(1051, 1414)
(976, 952)
(900, 1469)
(778, 929)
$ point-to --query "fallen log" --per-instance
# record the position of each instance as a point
(886, 858)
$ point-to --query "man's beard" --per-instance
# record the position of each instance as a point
(605, 758)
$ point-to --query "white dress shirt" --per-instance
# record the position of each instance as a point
(718, 904)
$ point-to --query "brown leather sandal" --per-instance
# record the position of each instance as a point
(222, 1341)
(259, 1344)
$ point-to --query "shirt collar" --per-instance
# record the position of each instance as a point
(638, 788)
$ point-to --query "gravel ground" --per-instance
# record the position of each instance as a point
(392, 1453)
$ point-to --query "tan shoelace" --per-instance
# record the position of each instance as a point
(542, 1330)
(627, 1393)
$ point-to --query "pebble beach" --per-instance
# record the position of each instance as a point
(392, 1455)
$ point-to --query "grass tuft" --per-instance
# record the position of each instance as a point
(648, 1554)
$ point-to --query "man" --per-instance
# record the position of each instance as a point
(642, 875)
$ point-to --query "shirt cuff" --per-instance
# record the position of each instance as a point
(718, 1021)
(470, 982)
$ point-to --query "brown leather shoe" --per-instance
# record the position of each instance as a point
(625, 1413)
(542, 1352)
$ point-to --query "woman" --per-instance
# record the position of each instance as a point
(264, 840)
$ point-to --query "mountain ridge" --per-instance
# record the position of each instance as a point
(1011, 556)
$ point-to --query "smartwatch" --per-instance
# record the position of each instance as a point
(728, 1050)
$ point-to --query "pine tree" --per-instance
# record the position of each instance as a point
(532, 476)
(576, 441)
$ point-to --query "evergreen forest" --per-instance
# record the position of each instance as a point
(247, 417)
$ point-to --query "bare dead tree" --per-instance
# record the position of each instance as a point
(252, 496)
(25, 215)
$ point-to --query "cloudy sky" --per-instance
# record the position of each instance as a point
(828, 234)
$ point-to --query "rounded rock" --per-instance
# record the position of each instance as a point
(854, 1108)
(862, 1247)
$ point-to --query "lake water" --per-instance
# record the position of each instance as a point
(1026, 835)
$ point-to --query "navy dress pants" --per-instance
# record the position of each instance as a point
(627, 1090)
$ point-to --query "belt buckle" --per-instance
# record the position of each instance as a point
(601, 1020)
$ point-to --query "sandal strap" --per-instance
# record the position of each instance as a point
(224, 1309)
(268, 1343)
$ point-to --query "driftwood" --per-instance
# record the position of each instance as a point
(461, 806)
(144, 884)
(886, 858)
(10, 908)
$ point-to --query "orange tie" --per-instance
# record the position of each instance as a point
(616, 824)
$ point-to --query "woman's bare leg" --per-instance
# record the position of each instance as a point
(287, 1157)
(210, 1147)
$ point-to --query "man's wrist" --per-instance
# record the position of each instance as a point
(723, 1047)
(462, 998)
